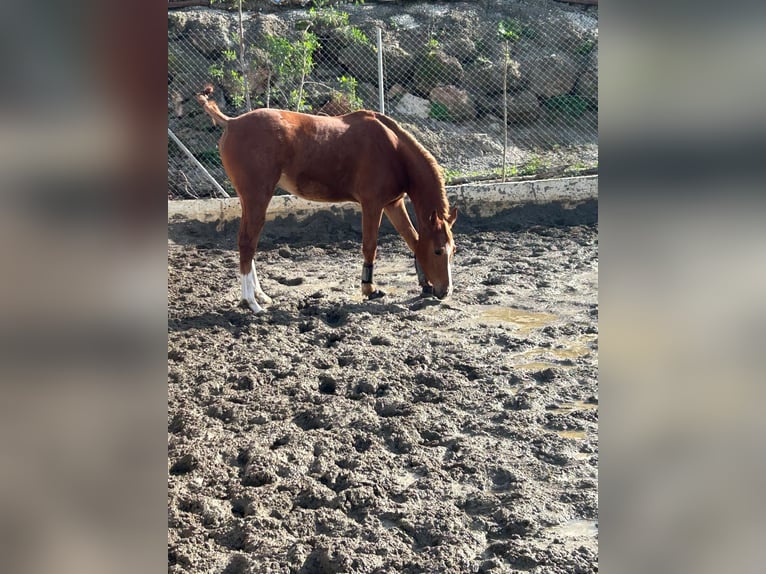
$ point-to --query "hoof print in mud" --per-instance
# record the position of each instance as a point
(185, 464)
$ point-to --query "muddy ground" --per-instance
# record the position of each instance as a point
(333, 434)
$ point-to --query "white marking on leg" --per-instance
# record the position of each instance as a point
(248, 292)
(258, 292)
(448, 248)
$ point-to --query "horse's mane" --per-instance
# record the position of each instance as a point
(414, 149)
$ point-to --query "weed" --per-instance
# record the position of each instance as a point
(439, 111)
(567, 105)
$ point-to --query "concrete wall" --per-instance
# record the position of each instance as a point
(473, 200)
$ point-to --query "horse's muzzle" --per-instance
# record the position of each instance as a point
(442, 293)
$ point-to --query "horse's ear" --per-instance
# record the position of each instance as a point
(452, 216)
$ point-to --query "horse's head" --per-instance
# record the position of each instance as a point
(434, 251)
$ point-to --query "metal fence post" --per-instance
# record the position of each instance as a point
(190, 155)
(381, 98)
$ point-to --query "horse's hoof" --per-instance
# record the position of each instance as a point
(263, 298)
(428, 291)
(252, 305)
(377, 294)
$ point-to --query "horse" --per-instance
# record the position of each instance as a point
(363, 157)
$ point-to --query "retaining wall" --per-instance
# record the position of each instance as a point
(473, 200)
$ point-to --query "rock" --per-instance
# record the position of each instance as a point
(399, 64)
(395, 92)
(462, 47)
(210, 32)
(411, 105)
(587, 83)
(522, 108)
(456, 102)
(486, 78)
(549, 74)
(437, 68)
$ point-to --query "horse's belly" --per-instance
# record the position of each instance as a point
(312, 190)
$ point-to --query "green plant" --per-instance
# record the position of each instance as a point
(324, 18)
(228, 71)
(586, 47)
(439, 111)
(568, 105)
(532, 167)
(432, 46)
(238, 94)
(216, 71)
(514, 30)
(348, 86)
(356, 35)
(329, 18)
(509, 29)
(580, 167)
(289, 64)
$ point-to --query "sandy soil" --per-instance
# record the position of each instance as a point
(333, 434)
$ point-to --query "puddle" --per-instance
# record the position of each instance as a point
(524, 320)
(574, 349)
(575, 529)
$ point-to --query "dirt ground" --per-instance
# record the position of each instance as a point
(400, 435)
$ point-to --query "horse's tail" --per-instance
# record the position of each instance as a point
(211, 108)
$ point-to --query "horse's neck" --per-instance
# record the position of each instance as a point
(425, 188)
(426, 197)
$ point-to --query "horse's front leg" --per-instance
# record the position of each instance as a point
(397, 214)
(370, 226)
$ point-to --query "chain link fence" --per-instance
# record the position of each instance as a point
(495, 90)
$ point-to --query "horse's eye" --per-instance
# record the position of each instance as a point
(438, 252)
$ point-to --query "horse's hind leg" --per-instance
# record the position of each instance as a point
(253, 218)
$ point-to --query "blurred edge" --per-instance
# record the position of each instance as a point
(683, 277)
(83, 289)
(82, 241)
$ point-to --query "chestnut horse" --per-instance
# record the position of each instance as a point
(363, 157)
